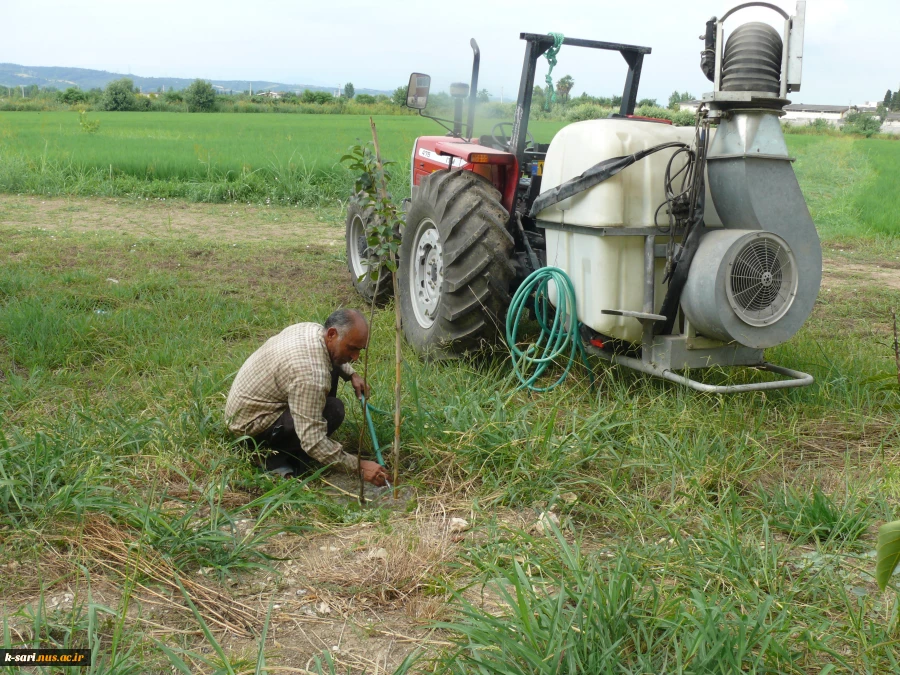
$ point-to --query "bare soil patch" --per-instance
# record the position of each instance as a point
(843, 272)
(161, 219)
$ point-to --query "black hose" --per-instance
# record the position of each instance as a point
(695, 231)
(594, 176)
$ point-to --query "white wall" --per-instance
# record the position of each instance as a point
(801, 117)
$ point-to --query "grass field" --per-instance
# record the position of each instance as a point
(284, 158)
(294, 159)
(698, 534)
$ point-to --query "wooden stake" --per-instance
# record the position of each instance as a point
(896, 345)
(398, 357)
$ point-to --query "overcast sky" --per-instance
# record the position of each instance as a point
(851, 48)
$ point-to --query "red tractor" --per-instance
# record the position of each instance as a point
(469, 240)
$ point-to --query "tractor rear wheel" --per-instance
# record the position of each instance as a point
(359, 256)
(455, 265)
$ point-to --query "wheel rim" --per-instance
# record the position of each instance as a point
(358, 247)
(426, 273)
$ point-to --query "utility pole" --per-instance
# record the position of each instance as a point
(501, 94)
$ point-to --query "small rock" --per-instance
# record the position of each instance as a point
(543, 524)
(378, 553)
(459, 525)
(112, 281)
(329, 549)
(569, 497)
(323, 608)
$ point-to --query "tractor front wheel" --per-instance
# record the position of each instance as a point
(455, 265)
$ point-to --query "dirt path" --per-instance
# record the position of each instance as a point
(174, 219)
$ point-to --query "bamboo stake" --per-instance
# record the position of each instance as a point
(896, 346)
(398, 359)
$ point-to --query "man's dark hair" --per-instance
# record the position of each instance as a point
(343, 320)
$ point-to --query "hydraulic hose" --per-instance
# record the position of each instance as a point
(367, 412)
(559, 328)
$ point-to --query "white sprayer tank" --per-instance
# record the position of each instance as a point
(608, 271)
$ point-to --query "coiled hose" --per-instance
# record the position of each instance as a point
(559, 328)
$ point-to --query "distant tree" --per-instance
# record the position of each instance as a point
(861, 123)
(677, 98)
(895, 100)
(316, 97)
(651, 102)
(538, 98)
(382, 98)
(484, 96)
(399, 95)
(200, 96)
(349, 90)
(365, 99)
(174, 96)
(72, 96)
(563, 87)
(888, 99)
(289, 97)
(31, 90)
(119, 95)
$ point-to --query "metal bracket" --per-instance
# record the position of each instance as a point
(798, 378)
(640, 316)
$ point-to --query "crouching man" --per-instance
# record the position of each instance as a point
(284, 397)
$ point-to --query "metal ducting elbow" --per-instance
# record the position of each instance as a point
(754, 282)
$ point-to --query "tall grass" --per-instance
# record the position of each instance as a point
(202, 157)
(879, 203)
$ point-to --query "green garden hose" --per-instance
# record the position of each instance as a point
(367, 411)
(557, 337)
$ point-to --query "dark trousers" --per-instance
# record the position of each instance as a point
(281, 445)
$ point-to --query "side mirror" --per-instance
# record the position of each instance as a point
(417, 91)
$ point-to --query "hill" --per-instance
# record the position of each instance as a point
(14, 74)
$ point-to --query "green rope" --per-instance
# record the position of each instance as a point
(556, 338)
(551, 59)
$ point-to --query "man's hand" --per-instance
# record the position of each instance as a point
(360, 386)
(373, 472)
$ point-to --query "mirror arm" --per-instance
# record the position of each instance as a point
(441, 122)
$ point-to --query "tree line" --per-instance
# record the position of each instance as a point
(202, 96)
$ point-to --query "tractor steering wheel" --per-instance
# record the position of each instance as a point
(498, 135)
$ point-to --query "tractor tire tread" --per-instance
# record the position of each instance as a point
(477, 262)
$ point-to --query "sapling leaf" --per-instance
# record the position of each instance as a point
(888, 549)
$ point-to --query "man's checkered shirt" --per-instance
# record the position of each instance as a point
(291, 370)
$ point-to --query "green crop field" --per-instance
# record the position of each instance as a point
(696, 533)
(286, 158)
(295, 159)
